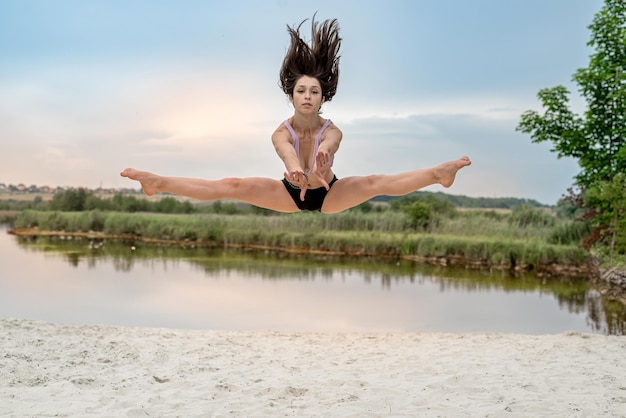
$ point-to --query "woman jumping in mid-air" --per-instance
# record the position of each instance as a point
(307, 144)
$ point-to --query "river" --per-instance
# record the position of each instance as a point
(132, 284)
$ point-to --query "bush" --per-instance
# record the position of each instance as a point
(570, 233)
(525, 216)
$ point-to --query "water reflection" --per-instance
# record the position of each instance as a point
(327, 293)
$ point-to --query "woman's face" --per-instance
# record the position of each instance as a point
(307, 95)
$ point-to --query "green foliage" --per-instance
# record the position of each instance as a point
(224, 208)
(16, 205)
(85, 200)
(172, 205)
(424, 210)
(69, 200)
(525, 216)
(126, 203)
(603, 84)
(609, 199)
(566, 208)
(421, 214)
(93, 202)
(598, 140)
(261, 211)
(354, 233)
(569, 233)
(465, 201)
(365, 207)
(558, 124)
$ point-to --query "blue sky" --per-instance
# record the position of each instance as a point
(190, 88)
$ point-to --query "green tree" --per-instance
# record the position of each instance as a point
(70, 200)
(424, 210)
(609, 199)
(93, 202)
(420, 213)
(167, 205)
(598, 139)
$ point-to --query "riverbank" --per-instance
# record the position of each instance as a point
(611, 283)
(78, 370)
(472, 240)
(514, 258)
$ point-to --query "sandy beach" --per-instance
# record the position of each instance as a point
(53, 370)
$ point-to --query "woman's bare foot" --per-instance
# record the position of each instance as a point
(446, 172)
(149, 182)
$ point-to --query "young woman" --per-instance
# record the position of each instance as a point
(307, 144)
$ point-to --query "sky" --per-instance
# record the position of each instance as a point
(190, 88)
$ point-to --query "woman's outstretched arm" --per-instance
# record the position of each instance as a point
(287, 153)
(325, 154)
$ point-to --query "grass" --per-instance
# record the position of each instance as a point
(474, 238)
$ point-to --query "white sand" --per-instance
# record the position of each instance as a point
(57, 370)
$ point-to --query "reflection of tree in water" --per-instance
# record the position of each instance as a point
(575, 295)
(606, 316)
(73, 258)
(124, 264)
(573, 298)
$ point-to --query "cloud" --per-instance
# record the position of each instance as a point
(193, 91)
(505, 162)
(80, 134)
(216, 124)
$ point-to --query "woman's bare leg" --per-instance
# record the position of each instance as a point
(259, 191)
(352, 191)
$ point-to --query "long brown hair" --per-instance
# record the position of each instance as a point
(320, 60)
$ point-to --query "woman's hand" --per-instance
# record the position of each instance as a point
(298, 178)
(321, 168)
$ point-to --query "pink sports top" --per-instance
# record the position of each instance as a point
(318, 140)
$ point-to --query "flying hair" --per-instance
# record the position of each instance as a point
(319, 60)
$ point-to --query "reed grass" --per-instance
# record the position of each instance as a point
(484, 238)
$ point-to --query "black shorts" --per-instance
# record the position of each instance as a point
(313, 198)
